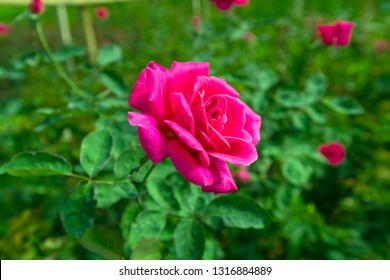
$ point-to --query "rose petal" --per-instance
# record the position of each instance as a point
(181, 112)
(236, 117)
(157, 89)
(190, 142)
(252, 124)
(139, 98)
(225, 183)
(240, 153)
(188, 166)
(152, 141)
(218, 86)
(182, 75)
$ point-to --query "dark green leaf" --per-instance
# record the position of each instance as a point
(147, 225)
(295, 172)
(78, 210)
(344, 105)
(107, 195)
(148, 249)
(36, 164)
(235, 211)
(128, 162)
(189, 240)
(161, 193)
(104, 242)
(109, 54)
(114, 83)
(95, 151)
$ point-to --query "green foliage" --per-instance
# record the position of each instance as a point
(79, 209)
(36, 164)
(189, 240)
(109, 54)
(237, 212)
(344, 105)
(295, 206)
(95, 151)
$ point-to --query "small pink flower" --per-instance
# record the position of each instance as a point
(226, 4)
(36, 7)
(249, 37)
(196, 21)
(243, 175)
(381, 46)
(4, 29)
(336, 34)
(102, 13)
(195, 119)
(333, 152)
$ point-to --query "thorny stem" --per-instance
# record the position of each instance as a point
(57, 66)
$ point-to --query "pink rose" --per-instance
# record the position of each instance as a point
(381, 46)
(243, 175)
(102, 13)
(4, 29)
(249, 36)
(36, 7)
(336, 34)
(226, 4)
(333, 152)
(195, 119)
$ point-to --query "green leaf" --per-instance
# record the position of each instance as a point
(104, 242)
(292, 99)
(344, 105)
(109, 54)
(36, 164)
(316, 85)
(315, 115)
(108, 195)
(161, 193)
(95, 151)
(266, 79)
(148, 224)
(65, 53)
(148, 249)
(212, 251)
(235, 211)
(295, 172)
(129, 162)
(78, 210)
(189, 240)
(114, 83)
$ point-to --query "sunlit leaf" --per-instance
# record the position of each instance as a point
(95, 151)
(36, 164)
(148, 249)
(109, 54)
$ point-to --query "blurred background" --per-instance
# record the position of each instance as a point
(272, 55)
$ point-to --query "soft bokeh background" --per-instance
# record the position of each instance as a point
(264, 50)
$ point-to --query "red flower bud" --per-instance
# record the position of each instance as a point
(36, 7)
